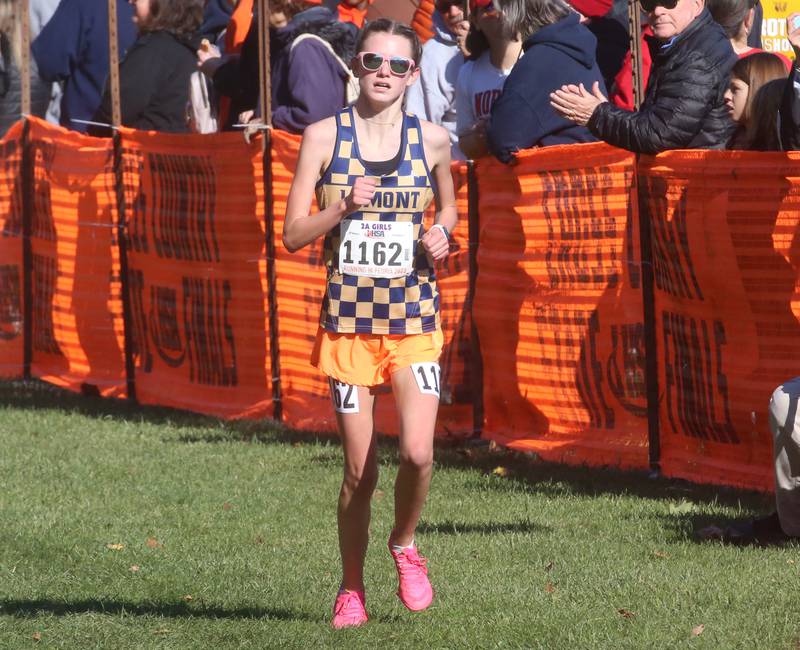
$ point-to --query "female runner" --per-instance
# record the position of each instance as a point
(374, 169)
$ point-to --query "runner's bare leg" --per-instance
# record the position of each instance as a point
(417, 413)
(358, 484)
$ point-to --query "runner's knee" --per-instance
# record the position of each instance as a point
(417, 459)
(361, 480)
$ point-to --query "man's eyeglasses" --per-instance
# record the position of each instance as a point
(372, 61)
(650, 5)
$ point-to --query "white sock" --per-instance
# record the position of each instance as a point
(398, 549)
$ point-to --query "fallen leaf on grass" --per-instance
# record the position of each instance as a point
(661, 555)
(500, 471)
(789, 561)
(549, 588)
(697, 630)
(625, 613)
(549, 566)
(161, 630)
(115, 547)
(37, 636)
(379, 494)
(259, 540)
(134, 568)
(188, 598)
(226, 506)
(152, 542)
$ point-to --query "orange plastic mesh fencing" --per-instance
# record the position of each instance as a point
(423, 20)
(726, 259)
(77, 330)
(11, 271)
(558, 306)
(558, 303)
(196, 273)
(300, 286)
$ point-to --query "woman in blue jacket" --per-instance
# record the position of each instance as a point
(557, 49)
(72, 49)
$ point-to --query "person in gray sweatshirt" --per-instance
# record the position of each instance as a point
(433, 97)
(11, 61)
(41, 12)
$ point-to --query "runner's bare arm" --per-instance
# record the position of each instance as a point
(300, 228)
(437, 152)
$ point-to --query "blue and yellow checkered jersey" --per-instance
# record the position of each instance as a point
(358, 304)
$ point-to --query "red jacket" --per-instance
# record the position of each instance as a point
(622, 94)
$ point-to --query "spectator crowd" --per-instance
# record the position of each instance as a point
(500, 76)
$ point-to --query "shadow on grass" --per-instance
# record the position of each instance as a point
(485, 528)
(691, 526)
(38, 395)
(525, 473)
(33, 608)
(521, 472)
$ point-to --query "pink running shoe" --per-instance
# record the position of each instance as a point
(415, 589)
(349, 609)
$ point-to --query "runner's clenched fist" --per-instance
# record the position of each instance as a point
(436, 243)
(361, 193)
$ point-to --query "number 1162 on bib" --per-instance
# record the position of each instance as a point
(377, 249)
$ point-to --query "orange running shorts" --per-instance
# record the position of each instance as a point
(370, 359)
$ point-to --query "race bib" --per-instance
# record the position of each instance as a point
(428, 376)
(376, 249)
(344, 396)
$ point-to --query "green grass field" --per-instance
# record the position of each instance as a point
(150, 528)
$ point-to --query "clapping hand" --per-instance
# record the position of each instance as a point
(577, 104)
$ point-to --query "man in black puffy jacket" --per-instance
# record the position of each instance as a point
(684, 106)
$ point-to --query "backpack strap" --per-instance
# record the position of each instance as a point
(319, 39)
